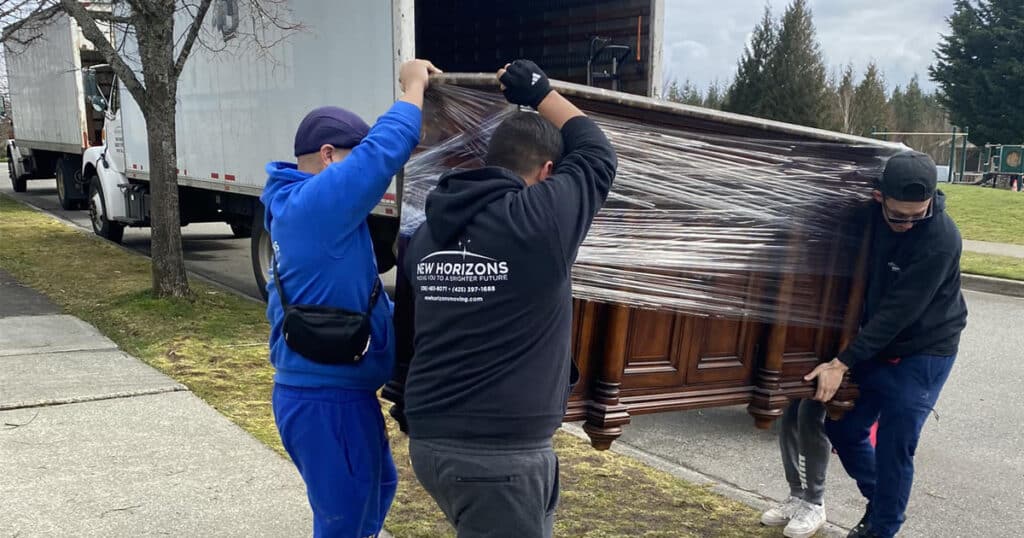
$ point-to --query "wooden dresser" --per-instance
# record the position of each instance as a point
(636, 361)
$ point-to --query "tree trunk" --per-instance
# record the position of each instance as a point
(156, 50)
(169, 277)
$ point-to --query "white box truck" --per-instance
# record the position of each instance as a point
(238, 105)
(54, 122)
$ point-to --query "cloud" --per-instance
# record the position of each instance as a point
(704, 40)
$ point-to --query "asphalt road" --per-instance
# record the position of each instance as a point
(970, 479)
(970, 467)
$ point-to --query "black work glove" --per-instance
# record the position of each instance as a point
(525, 83)
(398, 413)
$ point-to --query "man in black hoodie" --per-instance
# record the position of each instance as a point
(908, 340)
(489, 380)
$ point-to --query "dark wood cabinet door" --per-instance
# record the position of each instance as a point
(723, 351)
(656, 349)
(675, 350)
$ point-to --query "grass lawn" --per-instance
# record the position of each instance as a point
(986, 214)
(215, 343)
(991, 265)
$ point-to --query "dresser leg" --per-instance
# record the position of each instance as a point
(605, 416)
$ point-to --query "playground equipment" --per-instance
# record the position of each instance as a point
(1004, 167)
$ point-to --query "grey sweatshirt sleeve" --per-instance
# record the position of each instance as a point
(569, 199)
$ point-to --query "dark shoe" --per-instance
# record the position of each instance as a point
(861, 530)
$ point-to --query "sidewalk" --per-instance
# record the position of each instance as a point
(95, 443)
(999, 249)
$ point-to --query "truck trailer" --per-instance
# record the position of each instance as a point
(54, 120)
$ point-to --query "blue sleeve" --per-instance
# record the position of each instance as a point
(344, 194)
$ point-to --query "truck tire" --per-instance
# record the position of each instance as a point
(66, 188)
(19, 184)
(241, 230)
(109, 230)
(260, 249)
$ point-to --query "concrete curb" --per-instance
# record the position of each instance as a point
(721, 487)
(988, 284)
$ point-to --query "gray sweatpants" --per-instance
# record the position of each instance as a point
(507, 489)
(805, 449)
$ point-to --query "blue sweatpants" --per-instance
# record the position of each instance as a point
(337, 440)
(900, 397)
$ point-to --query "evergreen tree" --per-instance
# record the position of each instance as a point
(870, 106)
(748, 92)
(796, 80)
(714, 96)
(687, 93)
(980, 70)
(908, 108)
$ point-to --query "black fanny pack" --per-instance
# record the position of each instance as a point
(325, 334)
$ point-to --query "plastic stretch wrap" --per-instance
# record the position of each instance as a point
(697, 221)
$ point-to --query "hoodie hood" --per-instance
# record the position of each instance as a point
(940, 202)
(280, 176)
(461, 195)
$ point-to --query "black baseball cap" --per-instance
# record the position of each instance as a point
(909, 177)
(329, 125)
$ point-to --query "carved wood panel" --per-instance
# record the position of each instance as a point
(722, 351)
(656, 349)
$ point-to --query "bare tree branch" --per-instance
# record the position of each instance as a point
(110, 17)
(140, 7)
(30, 21)
(100, 41)
(193, 33)
(17, 10)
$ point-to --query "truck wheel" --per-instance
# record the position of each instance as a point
(19, 184)
(241, 229)
(260, 248)
(65, 186)
(112, 231)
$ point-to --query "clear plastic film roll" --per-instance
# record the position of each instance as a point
(708, 220)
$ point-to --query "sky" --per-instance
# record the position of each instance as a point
(704, 38)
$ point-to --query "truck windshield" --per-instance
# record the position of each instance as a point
(92, 91)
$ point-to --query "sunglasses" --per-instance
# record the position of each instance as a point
(907, 220)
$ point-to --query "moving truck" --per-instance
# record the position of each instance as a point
(53, 118)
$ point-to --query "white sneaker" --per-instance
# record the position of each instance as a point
(806, 522)
(781, 514)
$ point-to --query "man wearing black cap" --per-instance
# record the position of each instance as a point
(327, 411)
(908, 340)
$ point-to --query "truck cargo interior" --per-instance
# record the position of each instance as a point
(612, 37)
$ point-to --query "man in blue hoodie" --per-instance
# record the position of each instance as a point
(490, 274)
(328, 415)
